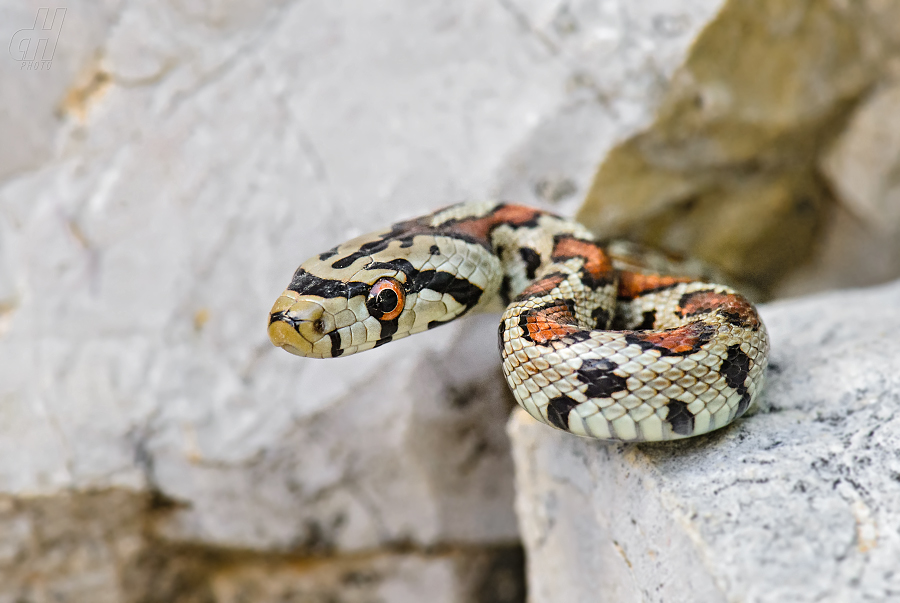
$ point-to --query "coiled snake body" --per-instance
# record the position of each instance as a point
(597, 351)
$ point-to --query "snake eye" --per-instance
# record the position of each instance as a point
(386, 299)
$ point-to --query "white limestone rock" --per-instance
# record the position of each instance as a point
(174, 166)
(798, 502)
(181, 162)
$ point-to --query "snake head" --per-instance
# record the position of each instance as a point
(374, 289)
(322, 318)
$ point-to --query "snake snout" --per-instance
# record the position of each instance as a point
(300, 325)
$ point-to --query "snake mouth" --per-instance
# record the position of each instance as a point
(299, 325)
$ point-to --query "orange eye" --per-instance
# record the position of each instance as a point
(386, 299)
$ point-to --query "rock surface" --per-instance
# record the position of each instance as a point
(731, 169)
(172, 168)
(798, 502)
(178, 160)
(864, 163)
(861, 245)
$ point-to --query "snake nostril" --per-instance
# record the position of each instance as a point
(319, 325)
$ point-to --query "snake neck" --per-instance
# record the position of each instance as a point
(528, 244)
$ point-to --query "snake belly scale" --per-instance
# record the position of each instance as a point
(586, 346)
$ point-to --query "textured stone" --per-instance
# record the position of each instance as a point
(489, 576)
(175, 165)
(94, 547)
(860, 244)
(864, 163)
(163, 179)
(69, 547)
(728, 169)
(798, 502)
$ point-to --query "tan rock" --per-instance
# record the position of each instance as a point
(864, 163)
(727, 171)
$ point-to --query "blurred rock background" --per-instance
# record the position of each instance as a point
(163, 175)
(774, 152)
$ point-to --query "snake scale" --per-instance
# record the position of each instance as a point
(587, 346)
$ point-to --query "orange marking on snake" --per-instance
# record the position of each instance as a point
(480, 228)
(634, 284)
(710, 301)
(682, 340)
(596, 262)
(550, 323)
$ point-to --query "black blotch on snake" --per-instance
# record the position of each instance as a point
(460, 289)
(735, 369)
(328, 254)
(558, 411)
(647, 321)
(601, 318)
(335, 337)
(599, 377)
(305, 283)
(532, 261)
(680, 418)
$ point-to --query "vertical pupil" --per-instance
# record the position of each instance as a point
(386, 300)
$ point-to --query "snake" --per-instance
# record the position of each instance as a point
(589, 344)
